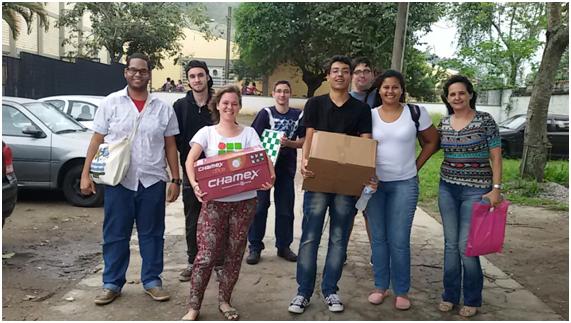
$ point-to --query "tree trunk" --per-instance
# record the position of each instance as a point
(312, 81)
(535, 140)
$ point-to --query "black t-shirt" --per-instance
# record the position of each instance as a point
(352, 118)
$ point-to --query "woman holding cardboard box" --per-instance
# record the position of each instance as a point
(223, 223)
(390, 210)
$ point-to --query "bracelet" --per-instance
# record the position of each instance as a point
(177, 181)
(498, 186)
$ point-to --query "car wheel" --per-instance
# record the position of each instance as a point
(72, 193)
(505, 150)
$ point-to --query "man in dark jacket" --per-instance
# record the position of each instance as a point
(192, 113)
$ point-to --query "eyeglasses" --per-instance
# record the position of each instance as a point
(362, 72)
(132, 71)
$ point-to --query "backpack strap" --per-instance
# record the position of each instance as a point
(415, 114)
(271, 118)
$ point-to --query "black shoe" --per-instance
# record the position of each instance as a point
(253, 258)
(287, 254)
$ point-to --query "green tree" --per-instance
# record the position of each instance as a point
(499, 37)
(422, 76)
(306, 34)
(535, 139)
(13, 11)
(122, 28)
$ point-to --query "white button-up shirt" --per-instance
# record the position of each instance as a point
(115, 119)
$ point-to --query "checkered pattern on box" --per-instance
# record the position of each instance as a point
(271, 143)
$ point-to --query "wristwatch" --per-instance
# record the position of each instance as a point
(177, 181)
(498, 186)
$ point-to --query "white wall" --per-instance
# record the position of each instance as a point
(559, 104)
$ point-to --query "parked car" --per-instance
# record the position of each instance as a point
(81, 107)
(48, 148)
(9, 183)
(512, 134)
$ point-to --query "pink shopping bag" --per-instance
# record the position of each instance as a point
(487, 229)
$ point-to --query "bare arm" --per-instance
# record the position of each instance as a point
(172, 159)
(298, 143)
(86, 184)
(496, 163)
(430, 141)
(193, 156)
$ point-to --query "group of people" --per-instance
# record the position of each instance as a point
(218, 231)
(249, 88)
(170, 86)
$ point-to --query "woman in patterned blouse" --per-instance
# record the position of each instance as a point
(471, 172)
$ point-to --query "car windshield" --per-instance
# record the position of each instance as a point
(57, 121)
(513, 123)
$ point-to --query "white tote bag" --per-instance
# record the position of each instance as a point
(111, 162)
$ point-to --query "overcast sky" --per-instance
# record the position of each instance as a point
(441, 40)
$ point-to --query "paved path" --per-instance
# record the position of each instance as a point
(263, 291)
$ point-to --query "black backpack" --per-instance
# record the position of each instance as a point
(415, 114)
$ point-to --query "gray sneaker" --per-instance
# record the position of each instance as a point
(298, 304)
(106, 297)
(185, 274)
(334, 303)
(158, 293)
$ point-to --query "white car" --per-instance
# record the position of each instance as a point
(80, 107)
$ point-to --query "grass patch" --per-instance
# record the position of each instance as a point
(517, 190)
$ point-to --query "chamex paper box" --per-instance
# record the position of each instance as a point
(232, 173)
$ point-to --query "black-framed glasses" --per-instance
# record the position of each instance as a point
(133, 71)
(363, 72)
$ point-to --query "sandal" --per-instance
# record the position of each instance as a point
(402, 303)
(231, 314)
(445, 306)
(190, 316)
(468, 311)
(377, 296)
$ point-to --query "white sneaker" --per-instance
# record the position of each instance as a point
(334, 303)
(298, 304)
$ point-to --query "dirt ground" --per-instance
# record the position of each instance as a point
(536, 253)
(54, 245)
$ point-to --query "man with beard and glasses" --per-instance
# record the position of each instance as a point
(140, 196)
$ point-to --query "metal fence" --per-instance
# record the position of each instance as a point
(34, 76)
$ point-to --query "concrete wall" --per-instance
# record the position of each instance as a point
(193, 45)
(558, 104)
(294, 75)
(253, 104)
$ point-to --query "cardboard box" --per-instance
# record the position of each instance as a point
(342, 164)
(232, 173)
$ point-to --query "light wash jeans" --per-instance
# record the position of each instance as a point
(390, 212)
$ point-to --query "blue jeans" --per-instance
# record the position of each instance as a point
(341, 213)
(284, 197)
(390, 212)
(455, 204)
(123, 208)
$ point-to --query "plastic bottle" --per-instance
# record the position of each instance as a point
(364, 199)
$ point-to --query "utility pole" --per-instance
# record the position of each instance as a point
(400, 37)
(228, 36)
